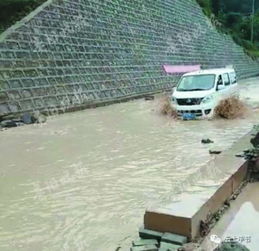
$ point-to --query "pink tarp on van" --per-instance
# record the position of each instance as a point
(177, 69)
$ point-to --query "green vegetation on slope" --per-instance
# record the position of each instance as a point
(235, 17)
(12, 11)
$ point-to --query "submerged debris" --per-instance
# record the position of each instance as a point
(10, 123)
(240, 155)
(149, 97)
(24, 119)
(207, 141)
(231, 246)
(215, 152)
(255, 141)
(253, 153)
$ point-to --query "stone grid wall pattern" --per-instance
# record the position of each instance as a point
(69, 53)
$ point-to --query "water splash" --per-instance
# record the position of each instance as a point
(166, 108)
(231, 108)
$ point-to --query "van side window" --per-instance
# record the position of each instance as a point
(220, 81)
(233, 78)
(226, 79)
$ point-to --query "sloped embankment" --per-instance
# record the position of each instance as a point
(73, 54)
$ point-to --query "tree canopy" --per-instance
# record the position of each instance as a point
(236, 18)
(13, 10)
(242, 6)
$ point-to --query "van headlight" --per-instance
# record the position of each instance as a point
(174, 101)
(207, 99)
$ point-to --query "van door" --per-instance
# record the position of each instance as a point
(229, 90)
(233, 83)
(221, 89)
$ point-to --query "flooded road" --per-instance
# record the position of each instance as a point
(82, 181)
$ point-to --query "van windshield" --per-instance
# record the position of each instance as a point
(196, 83)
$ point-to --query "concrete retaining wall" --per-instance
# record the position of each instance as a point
(184, 216)
(74, 53)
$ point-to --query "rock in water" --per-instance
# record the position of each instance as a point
(207, 141)
(255, 140)
(39, 117)
(26, 118)
(215, 152)
(42, 119)
(8, 123)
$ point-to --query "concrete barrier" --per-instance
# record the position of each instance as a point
(193, 213)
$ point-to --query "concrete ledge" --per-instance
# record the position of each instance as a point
(185, 216)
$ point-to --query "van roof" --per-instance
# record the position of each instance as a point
(211, 71)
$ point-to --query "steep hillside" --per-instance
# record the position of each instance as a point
(236, 18)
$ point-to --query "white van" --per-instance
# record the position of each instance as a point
(198, 93)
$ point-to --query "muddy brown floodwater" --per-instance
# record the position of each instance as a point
(82, 181)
